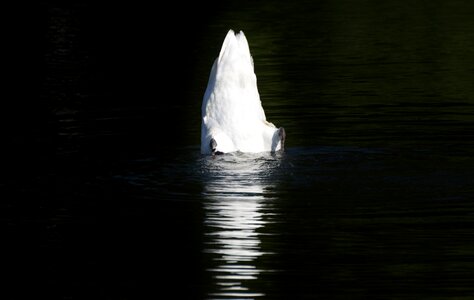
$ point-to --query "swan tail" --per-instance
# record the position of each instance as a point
(235, 46)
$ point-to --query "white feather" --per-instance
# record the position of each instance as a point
(232, 113)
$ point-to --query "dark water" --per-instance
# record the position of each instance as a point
(102, 197)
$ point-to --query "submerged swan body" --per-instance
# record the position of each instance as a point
(232, 114)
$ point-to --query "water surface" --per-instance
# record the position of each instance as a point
(104, 198)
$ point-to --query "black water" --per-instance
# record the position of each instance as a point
(103, 197)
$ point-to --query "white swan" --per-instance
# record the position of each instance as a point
(232, 115)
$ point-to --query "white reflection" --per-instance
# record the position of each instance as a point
(237, 208)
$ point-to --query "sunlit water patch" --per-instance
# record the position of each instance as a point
(238, 206)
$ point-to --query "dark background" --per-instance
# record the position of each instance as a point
(88, 59)
(89, 86)
(102, 196)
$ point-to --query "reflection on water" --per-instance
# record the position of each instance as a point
(238, 206)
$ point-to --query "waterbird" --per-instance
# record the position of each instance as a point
(233, 118)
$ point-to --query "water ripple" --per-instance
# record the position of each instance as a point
(237, 208)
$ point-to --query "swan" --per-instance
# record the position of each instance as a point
(232, 114)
